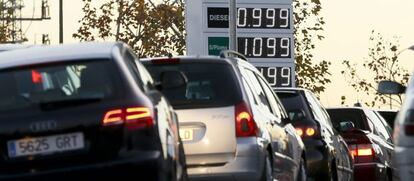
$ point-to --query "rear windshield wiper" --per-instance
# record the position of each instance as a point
(56, 104)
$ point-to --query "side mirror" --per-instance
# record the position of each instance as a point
(172, 80)
(346, 126)
(390, 87)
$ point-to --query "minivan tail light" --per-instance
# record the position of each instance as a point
(245, 124)
(132, 118)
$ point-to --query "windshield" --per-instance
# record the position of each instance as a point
(209, 85)
(56, 83)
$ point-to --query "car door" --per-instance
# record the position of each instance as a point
(285, 142)
(338, 145)
(383, 139)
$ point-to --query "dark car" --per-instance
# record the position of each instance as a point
(84, 111)
(369, 139)
(235, 127)
(327, 153)
(389, 116)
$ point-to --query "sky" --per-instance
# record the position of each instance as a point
(348, 27)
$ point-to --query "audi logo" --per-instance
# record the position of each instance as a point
(43, 126)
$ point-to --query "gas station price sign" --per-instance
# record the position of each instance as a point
(264, 34)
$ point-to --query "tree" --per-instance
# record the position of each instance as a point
(382, 64)
(151, 29)
(310, 73)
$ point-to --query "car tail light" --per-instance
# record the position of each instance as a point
(166, 61)
(362, 153)
(306, 131)
(245, 124)
(132, 117)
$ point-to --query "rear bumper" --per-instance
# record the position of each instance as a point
(247, 165)
(317, 159)
(145, 162)
(369, 171)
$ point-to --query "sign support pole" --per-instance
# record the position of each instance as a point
(233, 25)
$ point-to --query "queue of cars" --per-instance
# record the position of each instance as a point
(89, 109)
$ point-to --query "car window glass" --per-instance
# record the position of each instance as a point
(382, 131)
(271, 97)
(259, 91)
(129, 59)
(249, 92)
(320, 112)
(209, 84)
(55, 85)
(384, 122)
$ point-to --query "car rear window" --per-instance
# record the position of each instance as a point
(355, 116)
(295, 106)
(56, 85)
(209, 85)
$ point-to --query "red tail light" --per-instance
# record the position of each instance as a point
(245, 125)
(306, 131)
(36, 77)
(132, 118)
(362, 153)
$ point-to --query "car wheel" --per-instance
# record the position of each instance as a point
(302, 171)
(267, 174)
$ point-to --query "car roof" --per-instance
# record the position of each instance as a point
(290, 89)
(359, 108)
(8, 46)
(191, 59)
(55, 53)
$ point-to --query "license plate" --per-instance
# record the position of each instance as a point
(45, 145)
(187, 134)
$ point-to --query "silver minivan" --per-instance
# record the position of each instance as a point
(231, 123)
(403, 129)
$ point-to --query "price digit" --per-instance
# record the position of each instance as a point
(257, 15)
(270, 15)
(271, 44)
(242, 16)
(285, 44)
(284, 16)
(285, 74)
(257, 47)
(272, 74)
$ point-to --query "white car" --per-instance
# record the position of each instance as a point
(403, 129)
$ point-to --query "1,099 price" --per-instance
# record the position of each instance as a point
(265, 47)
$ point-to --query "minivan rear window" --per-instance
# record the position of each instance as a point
(57, 85)
(209, 85)
(355, 116)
